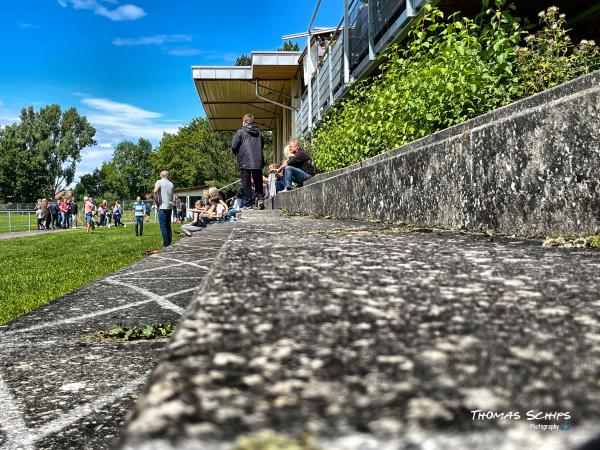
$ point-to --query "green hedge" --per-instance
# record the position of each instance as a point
(450, 70)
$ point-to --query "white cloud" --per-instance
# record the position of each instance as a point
(120, 13)
(107, 145)
(117, 121)
(96, 154)
(184, 51)
(152, 40)
(28, 25)
(122, 110)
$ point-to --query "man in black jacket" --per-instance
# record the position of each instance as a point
(248, 146)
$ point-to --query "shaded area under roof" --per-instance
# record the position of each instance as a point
(227, 93)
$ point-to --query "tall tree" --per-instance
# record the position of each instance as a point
(195, 155)
(243, 60)
(133, 163)
(289, 46)
(90, 184)
(40, 153)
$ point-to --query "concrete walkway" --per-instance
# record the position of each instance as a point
(61, 389)
(373, 338)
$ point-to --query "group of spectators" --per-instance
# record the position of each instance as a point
(55, 214)
(103, 215)
(248, 145)
(214, 209)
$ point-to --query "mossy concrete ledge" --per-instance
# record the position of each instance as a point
(531, 168)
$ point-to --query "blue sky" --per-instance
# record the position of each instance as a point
(126, 65)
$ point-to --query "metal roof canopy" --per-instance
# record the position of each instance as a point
(227, 93)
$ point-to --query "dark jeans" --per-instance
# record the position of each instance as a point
(68, 220)
(48, 220)
(40, 224)
(139, 223)
(164, 218)
(249, 195)
(55, 221)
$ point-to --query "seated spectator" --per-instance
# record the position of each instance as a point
(298, 168)
(218, 208)
(198, 221)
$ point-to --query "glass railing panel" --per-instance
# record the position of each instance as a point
(386, 12)
(358, 33)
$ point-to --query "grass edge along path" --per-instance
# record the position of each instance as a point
(36, 270)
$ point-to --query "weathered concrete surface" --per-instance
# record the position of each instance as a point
(531, 169)
(60, 390)
(372, 338)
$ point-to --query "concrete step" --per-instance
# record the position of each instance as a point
(61, 386)
(372, 337)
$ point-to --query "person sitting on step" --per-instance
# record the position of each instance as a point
(198, 221)
(298, 168)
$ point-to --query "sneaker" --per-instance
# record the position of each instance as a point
(261, 204)
(186, 232)
(287, 189)
(249, 207)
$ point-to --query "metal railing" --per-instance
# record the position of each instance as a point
(368, 27)
(17, 220)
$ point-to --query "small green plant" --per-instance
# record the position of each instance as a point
(147, 332)
(269, 440)
(568, 240)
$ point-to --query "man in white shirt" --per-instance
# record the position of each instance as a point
(164, 195)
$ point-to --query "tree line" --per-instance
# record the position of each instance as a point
(40, 153)
(195, 155)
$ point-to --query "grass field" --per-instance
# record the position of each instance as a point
(16, 222)
(39, 269)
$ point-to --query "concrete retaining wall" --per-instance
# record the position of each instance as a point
(531, 168)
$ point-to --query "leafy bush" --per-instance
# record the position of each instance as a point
(451, 69)
(549, 58)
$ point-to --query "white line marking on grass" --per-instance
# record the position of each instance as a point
(142, 271)
(13, 425)
(182, 262)
(162, 301)
(81, 411)
(166, 277)
(80, 318)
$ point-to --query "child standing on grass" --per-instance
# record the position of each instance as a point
(117, 214)
(40, 213)
(138, 216)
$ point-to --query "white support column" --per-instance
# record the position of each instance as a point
(410, 9)
(329, 64)
(310, 66)
(371, 30)
(346, 44)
